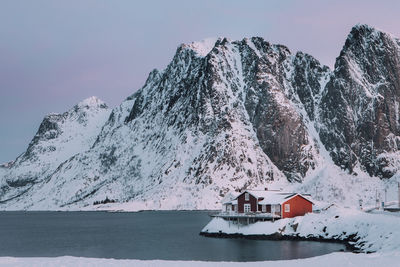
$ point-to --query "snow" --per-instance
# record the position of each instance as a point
(330, 184)
(375, 232)
(177, 153)
(271, 197)
(73, 132)
(329, 260)
(252, 46)
(204, 46)
(91, 102)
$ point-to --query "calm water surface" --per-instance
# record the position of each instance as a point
(167, 235)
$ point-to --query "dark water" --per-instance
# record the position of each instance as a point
(167, 235)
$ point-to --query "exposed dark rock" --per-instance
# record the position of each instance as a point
(219, 118)
(360, 110)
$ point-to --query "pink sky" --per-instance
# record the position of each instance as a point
(54, 54)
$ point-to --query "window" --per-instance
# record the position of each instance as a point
(275, 208)
(287, 207)
(247, 207)
(268, 208)
(246, 197)
(264, 208)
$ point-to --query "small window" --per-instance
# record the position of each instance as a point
(247, 207)
(246, 196)
(287, 207)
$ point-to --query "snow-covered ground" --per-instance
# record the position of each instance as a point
(334, 259)
(372, 232)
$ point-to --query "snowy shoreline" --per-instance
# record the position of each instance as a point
(359, 231)
(334, 259)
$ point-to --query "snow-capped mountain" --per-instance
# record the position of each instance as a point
(360, 110)
(59, 137)
(224, 115)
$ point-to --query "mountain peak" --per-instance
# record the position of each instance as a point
(92, 102)
(224, 115)
(363, 41)
(202, 47)
(361, 33)
(362, 27)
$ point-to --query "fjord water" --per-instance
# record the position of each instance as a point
(167, 235)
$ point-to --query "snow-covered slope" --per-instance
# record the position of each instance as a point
(59, 137)
(224, 115)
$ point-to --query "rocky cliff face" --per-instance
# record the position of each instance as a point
(224, 115)
(360, 111)
(281, 91)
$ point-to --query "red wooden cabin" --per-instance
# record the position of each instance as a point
(284, 205)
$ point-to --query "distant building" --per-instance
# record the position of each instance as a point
(263, 202)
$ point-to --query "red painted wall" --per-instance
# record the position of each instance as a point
(298, 207)
(241, 201)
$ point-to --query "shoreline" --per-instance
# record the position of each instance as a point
(113, 211)
(360, 232)
(329, 260)
(279, 237)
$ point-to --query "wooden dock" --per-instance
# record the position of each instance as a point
(246, 218)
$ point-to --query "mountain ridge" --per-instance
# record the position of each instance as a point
(228, 116)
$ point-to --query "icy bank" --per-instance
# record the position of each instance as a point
(334, 259)
(364, 231)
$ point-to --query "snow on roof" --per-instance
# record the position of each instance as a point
(273, 197)
(231, 202)
(229, 197)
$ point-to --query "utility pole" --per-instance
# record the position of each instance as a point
(398, 189)
(385, 195)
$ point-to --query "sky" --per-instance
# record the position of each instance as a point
(53, 54)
